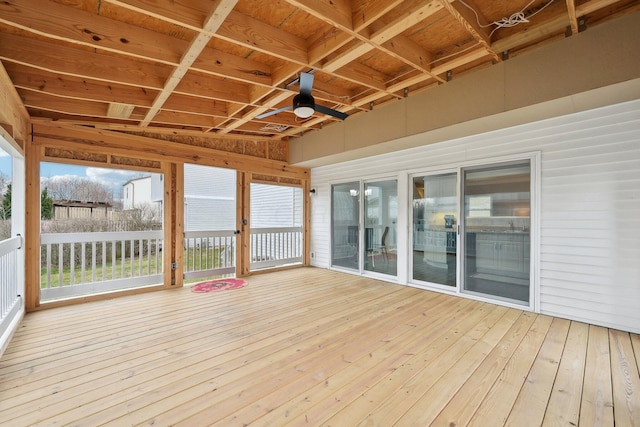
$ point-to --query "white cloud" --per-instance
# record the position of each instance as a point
(110, 177)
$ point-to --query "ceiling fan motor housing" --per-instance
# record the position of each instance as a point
(303, 105)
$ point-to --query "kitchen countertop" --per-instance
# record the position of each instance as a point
(501, 230)
(497, 230)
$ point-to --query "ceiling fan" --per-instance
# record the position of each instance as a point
(304, 104)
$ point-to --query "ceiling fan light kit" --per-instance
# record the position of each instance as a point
(303, 103)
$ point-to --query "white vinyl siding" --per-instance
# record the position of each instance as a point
(589, 229)
(209, 198)
(275, 206)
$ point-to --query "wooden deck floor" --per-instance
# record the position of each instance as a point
(313, 347)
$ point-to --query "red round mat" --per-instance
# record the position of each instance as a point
(217, 285)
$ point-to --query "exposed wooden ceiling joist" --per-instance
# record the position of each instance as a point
(212, 67)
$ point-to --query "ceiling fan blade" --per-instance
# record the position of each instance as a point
(306, 83)
(271, 113)
(331, 112)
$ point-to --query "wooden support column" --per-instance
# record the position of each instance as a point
(173, 247)
(32, 225)
(306, 256)
(243, 240)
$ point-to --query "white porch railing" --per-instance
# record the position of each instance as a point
(274, 247)
(10, 293)
(209, 253)
(75, 264)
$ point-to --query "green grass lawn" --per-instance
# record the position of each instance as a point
(194, 260)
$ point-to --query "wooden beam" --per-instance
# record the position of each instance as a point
(13, 114)
(367, 12)
(77, 26)
(81, 63)
(535, 32)
(185, 14)
(334, 12)
(219, 13)
(410, 17)
(379, 36)
(88, 29)
(573, 17)
(592, 6)
(254, 34)
(469, 21)
(101, 141)
(123, 127)
(77, 88)
(82, 66)
(87, 108)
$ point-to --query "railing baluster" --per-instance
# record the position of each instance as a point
(114, 259)
(72, 264)
(83, 257)
(123, 251)
(104, 260)
(93, 262)
(48, 266)
(140, 257)
(60, 264)
(131, 252)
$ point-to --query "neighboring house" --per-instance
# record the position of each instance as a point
(209, 198)
(137, 192)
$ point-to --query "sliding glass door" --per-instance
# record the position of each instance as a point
(364, 226)
(345, 225)
(497, 222)
(381, 210)
(434, 237)
(468, 230)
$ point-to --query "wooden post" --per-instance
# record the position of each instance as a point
(173, 247)
(32, 225)
(243, 240)
(306, 228)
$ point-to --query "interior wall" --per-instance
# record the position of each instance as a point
(588, 230)
(579, 73)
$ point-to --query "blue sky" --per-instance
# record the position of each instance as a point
(113, 178)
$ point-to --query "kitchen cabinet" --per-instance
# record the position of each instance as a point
(503, 253)
(435, 248)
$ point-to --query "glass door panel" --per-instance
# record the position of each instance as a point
(381, 209)
(497, 204)
(345, 216)
(434, 236)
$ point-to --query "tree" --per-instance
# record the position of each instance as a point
(46, 205)
(6, 204)
(78, 188)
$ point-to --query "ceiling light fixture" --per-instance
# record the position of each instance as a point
(303, 105)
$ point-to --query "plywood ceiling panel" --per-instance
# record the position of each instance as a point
(214, 66)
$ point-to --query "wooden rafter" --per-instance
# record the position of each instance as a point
(215, 19)
(213, 66)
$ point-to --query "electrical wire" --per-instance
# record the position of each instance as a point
(516, 18)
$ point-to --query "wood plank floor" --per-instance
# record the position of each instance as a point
(313, 347)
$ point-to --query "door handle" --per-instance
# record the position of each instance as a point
(237, 232)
